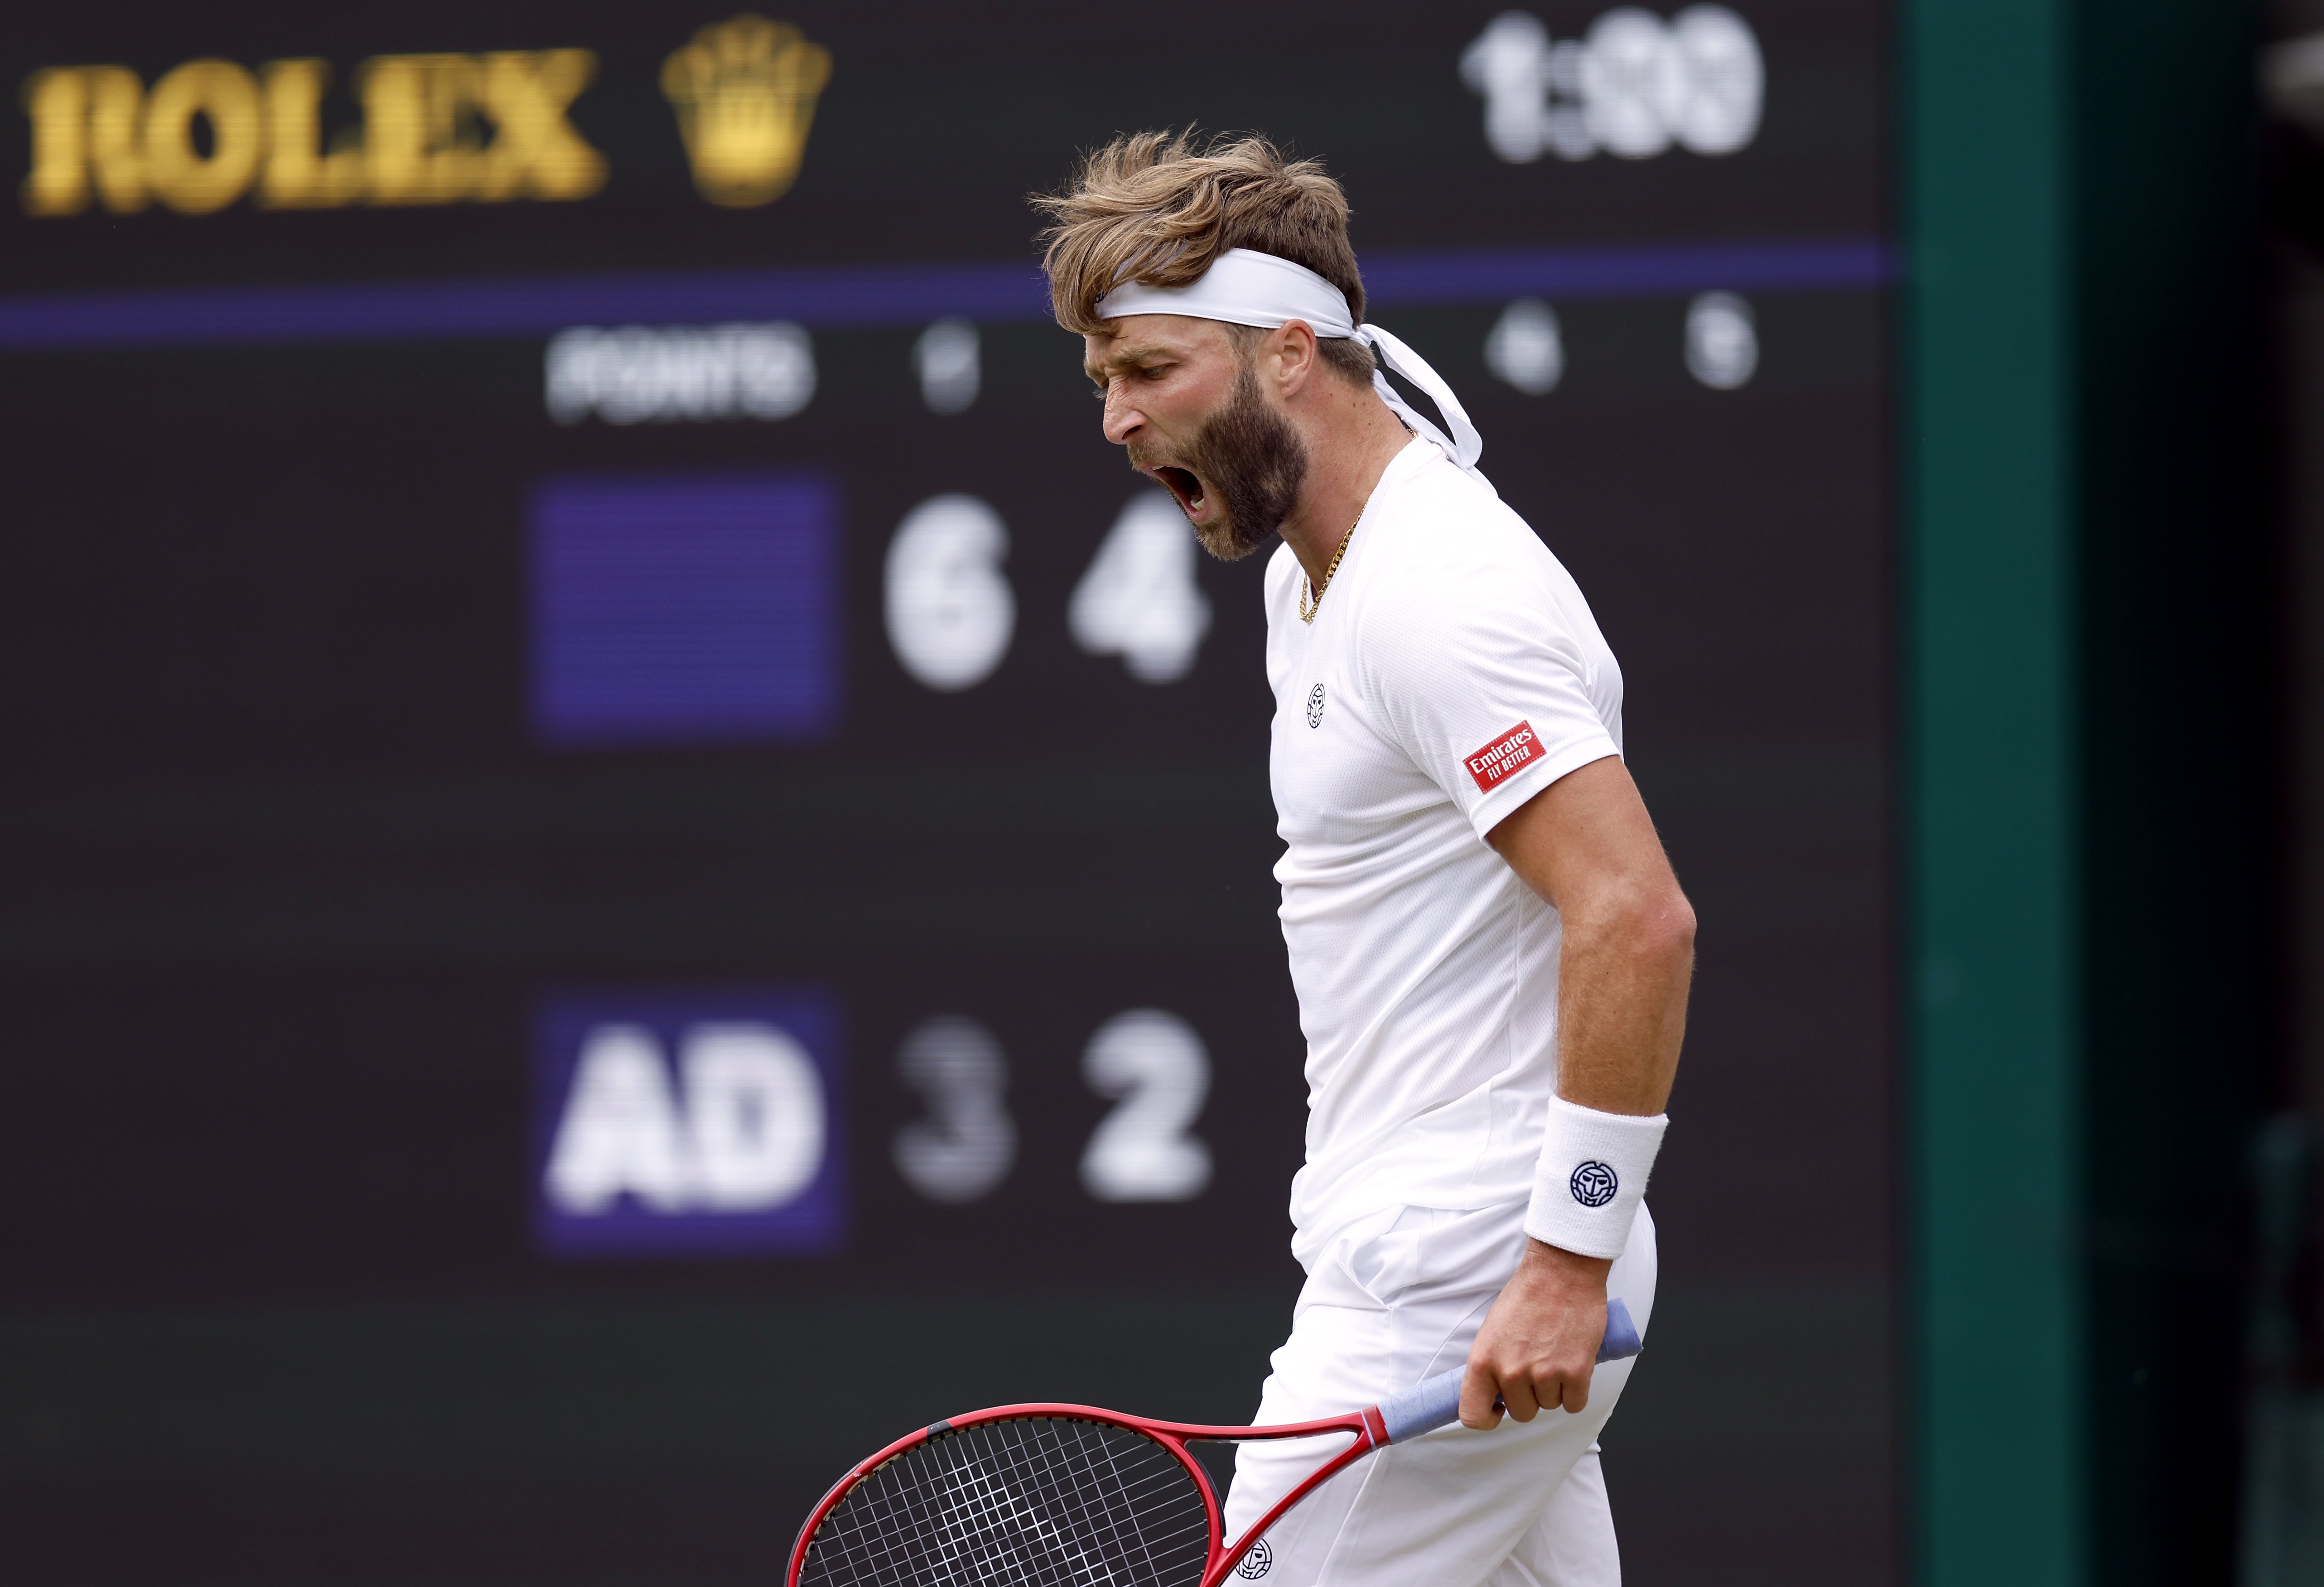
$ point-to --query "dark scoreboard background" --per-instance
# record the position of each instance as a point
(630, 862)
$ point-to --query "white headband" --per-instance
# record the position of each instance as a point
(1246, 287)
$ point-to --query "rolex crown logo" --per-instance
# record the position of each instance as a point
(745, 93)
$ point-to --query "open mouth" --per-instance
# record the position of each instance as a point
(1182, 483)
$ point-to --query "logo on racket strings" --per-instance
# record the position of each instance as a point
(1593, 1183)
(1256, 1563)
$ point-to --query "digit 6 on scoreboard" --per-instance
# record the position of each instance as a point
(951, 613)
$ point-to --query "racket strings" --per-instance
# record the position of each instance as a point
(1044, 1501)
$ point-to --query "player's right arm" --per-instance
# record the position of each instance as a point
(1586, 845)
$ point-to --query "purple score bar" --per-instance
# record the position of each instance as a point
(865, 295)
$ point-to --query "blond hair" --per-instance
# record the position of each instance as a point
(1156, 208)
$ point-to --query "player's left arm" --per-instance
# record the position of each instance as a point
(1586, 845)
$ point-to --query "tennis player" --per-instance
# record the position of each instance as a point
(1491, 952)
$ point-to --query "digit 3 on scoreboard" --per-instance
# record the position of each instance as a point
(1151, 1062)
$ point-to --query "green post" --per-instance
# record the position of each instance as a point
(1991, 795)
(2087, 603)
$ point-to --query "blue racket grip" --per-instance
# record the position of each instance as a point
(1431, 1405)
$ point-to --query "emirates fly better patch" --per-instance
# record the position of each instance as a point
(1515, 748)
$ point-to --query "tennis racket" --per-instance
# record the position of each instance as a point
(1072, 1495)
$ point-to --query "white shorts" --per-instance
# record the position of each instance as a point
(1398, 1298)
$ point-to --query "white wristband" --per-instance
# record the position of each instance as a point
(1593, 1175)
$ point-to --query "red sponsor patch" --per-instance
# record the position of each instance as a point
(1514, 749)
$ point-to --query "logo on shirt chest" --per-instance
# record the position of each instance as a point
(1316, 706)
(1514, 750)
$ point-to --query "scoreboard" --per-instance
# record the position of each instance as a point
(589, 715)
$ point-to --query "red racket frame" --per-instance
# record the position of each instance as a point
(1370, 1434)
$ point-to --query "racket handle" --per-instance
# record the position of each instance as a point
(1436, 1402)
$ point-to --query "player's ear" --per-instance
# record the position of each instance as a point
(1292, 351)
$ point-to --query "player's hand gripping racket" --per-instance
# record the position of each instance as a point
(1075, 1497)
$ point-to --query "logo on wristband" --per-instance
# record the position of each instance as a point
(1593, 1183)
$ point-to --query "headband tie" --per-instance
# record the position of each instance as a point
(1246, 287)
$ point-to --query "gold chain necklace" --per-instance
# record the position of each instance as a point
(1308, 608)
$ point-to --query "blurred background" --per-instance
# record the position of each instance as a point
(630, 860)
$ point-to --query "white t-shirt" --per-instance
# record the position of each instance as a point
(1453, 671)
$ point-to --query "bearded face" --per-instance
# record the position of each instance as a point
(1246, 464)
